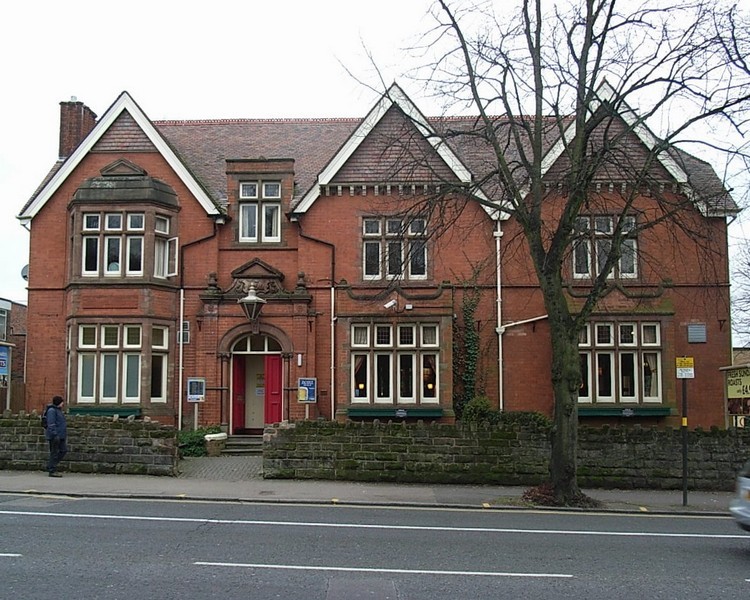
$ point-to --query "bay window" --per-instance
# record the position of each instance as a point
(621, 362)
(394, 364)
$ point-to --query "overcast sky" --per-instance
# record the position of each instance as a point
(180, 60)
(186, 60)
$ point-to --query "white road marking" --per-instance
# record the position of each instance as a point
(9, 555)
(444, 528)
(381, 571)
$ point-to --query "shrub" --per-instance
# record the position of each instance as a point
(479, 410)
(192, 442)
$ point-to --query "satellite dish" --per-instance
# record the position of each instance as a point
(25, 273)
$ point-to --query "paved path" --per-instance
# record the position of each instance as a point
(239, 478)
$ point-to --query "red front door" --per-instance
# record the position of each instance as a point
(273, 388)
(238, 394)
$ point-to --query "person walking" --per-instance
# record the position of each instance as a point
(56, 433)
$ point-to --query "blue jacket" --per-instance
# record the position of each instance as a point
(56, 424)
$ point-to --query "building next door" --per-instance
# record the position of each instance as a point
(256, 384)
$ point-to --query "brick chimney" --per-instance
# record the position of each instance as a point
(76, 122)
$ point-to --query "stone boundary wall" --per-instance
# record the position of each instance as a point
(618, 458)
(95, 445)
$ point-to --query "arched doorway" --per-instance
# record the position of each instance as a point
(256, 383)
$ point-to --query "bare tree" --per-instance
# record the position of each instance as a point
(574, 84)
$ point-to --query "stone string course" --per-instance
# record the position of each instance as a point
(95, 445)
(622, 458)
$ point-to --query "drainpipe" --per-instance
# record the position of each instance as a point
(499, 328)
(219, 219)
(332, 324)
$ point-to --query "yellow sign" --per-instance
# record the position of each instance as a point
(738, 383)
(685, 367)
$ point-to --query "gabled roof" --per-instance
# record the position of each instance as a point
(394, 96)
(696, 177)
(198, 151)
(124, 103)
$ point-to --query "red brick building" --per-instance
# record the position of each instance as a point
(149, 238)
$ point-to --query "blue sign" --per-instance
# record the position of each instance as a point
(4, 360)
(307, 390)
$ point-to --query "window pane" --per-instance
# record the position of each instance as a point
(581, 258)
(132, 377)
(417, 227)
(394, 258)
(161, 225)
(406, 335)
(110, 335)
(359, 335)
(371, 226)
(604, 375)
(359, 366)
(603, 248)
(135, 255)
(109, 377)
(158, 377)
(627, 333)
(604, 335)
(650, 334)
(393, 227)
(113, 255)
(627, 258)
(159, 337)
(583, 336)
(248, 221)
(87, 363)
(113, 222)
(603, 225)
(160, 257)
(406, 377)
(372, 259)
(271, 222)
(651, 375)
(91, 222)
(383, 376)
(91, 255)
(417, 258)
(249, 190)
(87, 335)
(429, 376)
(383, 335)
(272, 190)
(584, 391)
(133, 336)
(429, 335)
(627, 376)
(135, 222)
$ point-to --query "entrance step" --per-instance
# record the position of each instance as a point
(243, 445)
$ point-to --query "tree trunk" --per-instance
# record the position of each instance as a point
(566, 378)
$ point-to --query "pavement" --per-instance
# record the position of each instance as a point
(240, 479)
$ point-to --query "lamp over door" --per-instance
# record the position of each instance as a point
(251, 305)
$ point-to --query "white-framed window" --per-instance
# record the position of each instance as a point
(394, 248)
(165, 249)
(395, 369)
(112, 244)
(593, 243)
(621, 363)
(4, 315)
(111, 358)
(260, 211)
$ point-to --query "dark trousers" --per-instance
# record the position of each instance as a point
(57, 449)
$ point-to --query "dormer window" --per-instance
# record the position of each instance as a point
(260, 211)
